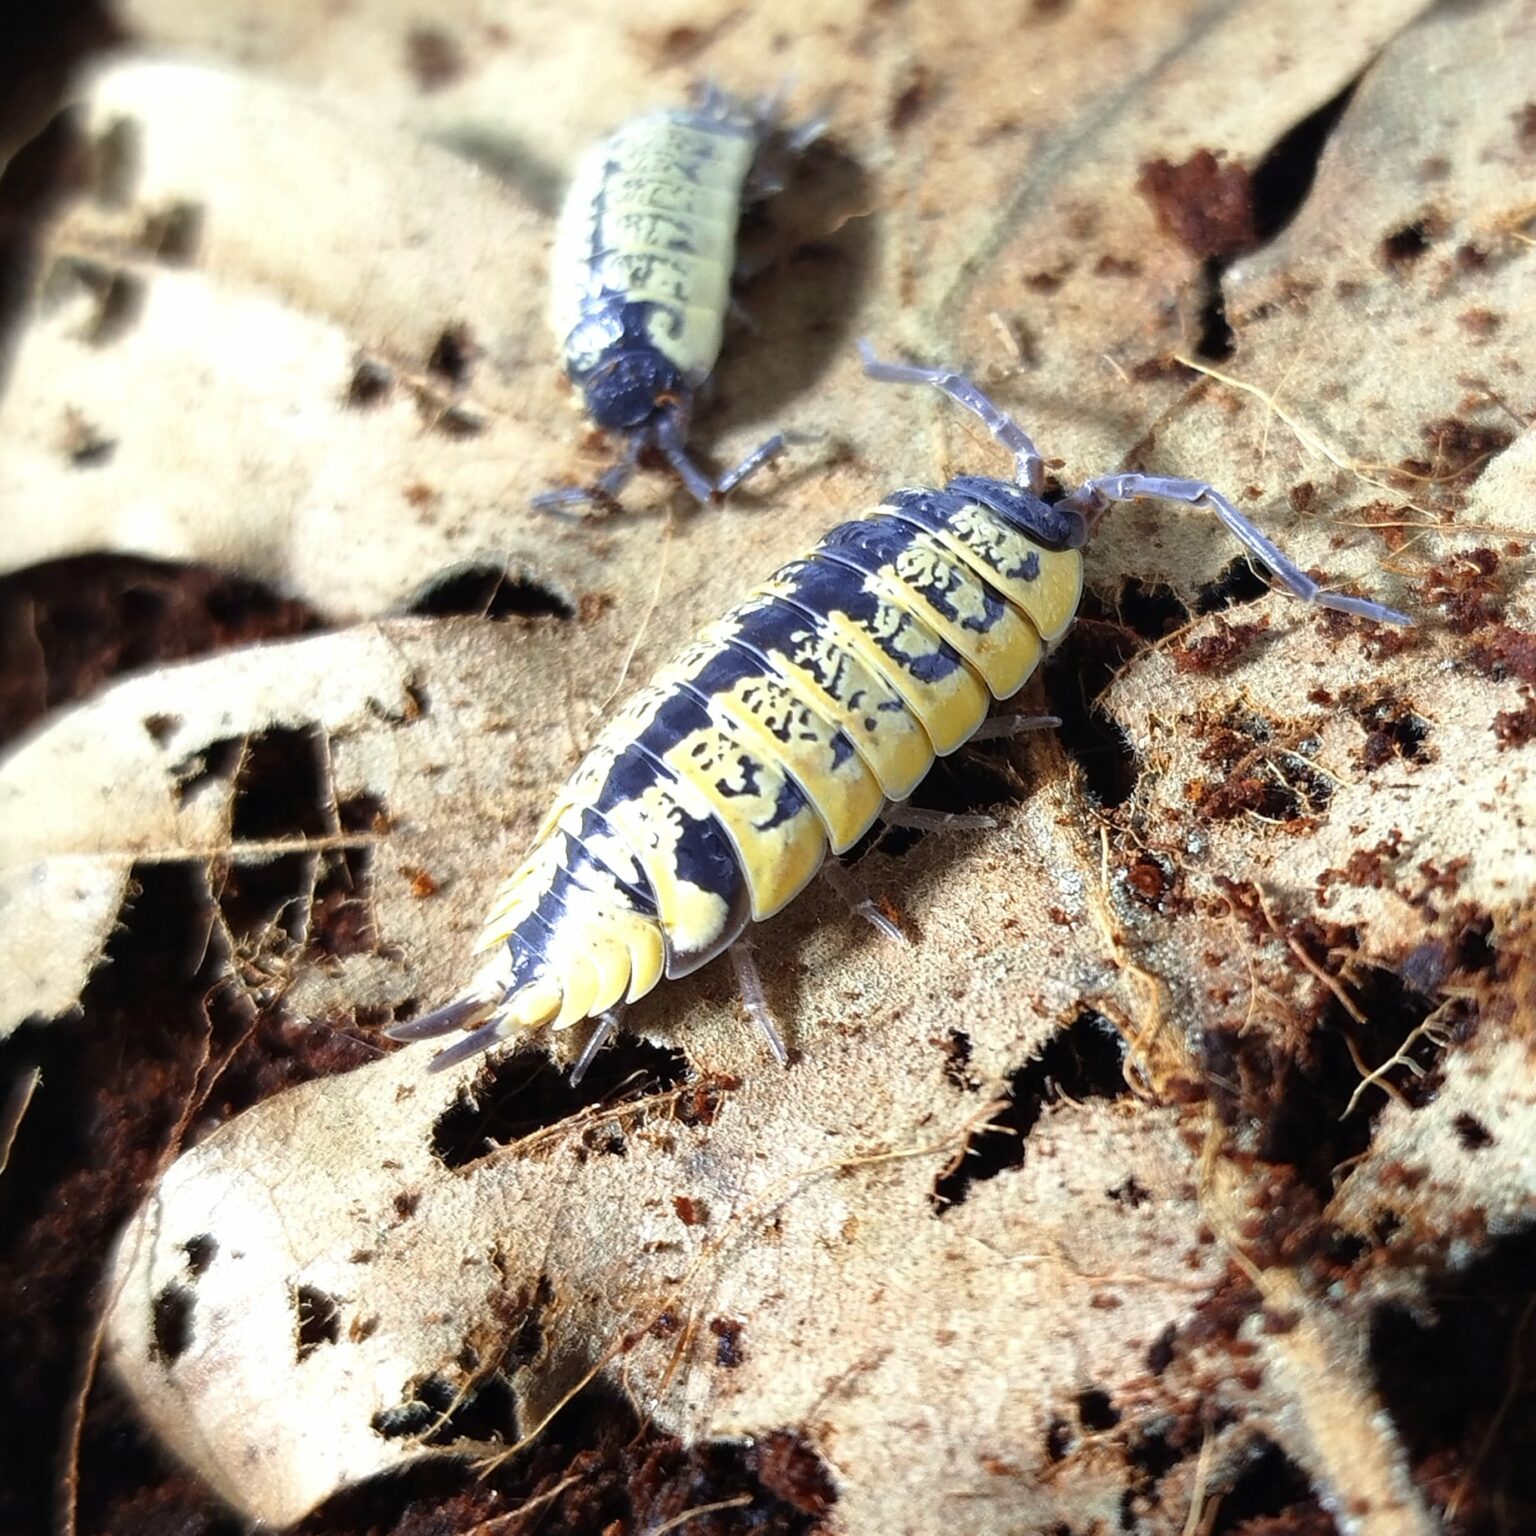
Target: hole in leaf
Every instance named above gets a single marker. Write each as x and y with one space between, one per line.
215 763
1095 1410
523 1093
1284 177
201 1252
319 1319
1270 1486
267 899
489 592
1214 339
281 791
171 1325
1242 581
1083 1061
362 812
1151 611
1458 1376
1297 1102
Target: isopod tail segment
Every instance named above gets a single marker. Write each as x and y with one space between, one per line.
641 276
775 740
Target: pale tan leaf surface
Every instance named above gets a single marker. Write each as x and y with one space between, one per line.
1319 857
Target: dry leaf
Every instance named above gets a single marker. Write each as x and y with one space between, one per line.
1298 902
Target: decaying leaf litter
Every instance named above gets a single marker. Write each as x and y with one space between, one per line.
1324 843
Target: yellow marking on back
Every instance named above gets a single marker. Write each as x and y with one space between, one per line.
888 737
985 542
950 708
771 716
1005 654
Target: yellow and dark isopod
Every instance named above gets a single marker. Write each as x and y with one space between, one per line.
644 256
781 734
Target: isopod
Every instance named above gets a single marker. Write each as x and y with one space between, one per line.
644 256
787 728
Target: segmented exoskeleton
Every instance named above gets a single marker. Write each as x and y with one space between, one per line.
789 726
641 276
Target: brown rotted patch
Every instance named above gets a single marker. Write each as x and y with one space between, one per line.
1467 589
1501 652
1458 452
1262 771
1204 203
1221 649
1516 727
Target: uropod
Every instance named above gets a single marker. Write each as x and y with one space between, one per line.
788 727
644 257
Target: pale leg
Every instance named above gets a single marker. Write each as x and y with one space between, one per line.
1093 497
1029 467
750 981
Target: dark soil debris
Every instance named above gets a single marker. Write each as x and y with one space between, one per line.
1516 727
1503 652
1466 587
1216 652
69 626
434 58
727 1332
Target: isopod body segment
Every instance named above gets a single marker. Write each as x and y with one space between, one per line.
644 256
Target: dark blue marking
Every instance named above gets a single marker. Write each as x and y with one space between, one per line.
1026 511
748 767
580 861
702 862
769 630
822 583
873 542
788 803
766 631
932 512
708 860
684 712
724 670
529 941
732 665
842 748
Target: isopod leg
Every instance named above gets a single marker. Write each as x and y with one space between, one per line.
755 1000
859 901
1000 727
603 490
918 818
670 431
764 453
1029 467
1093 497
606 1024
